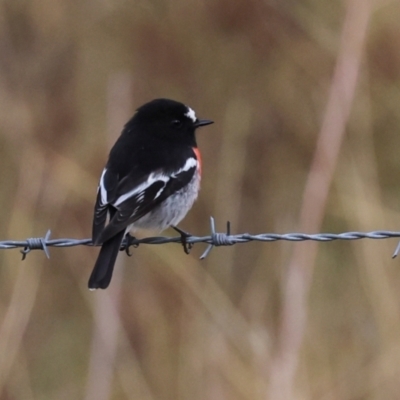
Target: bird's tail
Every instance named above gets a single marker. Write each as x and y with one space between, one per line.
103 269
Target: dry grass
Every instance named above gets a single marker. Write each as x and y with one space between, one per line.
305 96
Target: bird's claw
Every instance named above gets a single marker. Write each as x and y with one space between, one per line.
129 241
184 236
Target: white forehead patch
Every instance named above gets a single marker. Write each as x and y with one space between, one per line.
191 114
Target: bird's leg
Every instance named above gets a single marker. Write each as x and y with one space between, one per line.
184 235
127 243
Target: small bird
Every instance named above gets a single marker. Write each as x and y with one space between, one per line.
150 181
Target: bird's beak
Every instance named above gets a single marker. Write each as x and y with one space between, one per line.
202 122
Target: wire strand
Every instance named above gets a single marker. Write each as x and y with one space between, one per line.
215 239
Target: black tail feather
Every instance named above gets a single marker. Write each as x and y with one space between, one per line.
104 267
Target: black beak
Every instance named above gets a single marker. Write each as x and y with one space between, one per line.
202 122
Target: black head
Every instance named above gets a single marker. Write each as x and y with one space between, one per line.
168 120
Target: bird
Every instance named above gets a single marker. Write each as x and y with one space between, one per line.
151 179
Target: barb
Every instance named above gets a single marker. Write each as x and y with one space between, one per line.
37 244
213 240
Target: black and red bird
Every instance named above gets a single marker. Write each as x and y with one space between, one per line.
150 181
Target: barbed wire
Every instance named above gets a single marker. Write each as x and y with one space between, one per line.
214 239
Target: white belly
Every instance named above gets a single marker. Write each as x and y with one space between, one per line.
172 210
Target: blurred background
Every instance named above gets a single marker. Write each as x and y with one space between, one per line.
305 96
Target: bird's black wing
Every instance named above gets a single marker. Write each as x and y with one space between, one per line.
133 198
106 190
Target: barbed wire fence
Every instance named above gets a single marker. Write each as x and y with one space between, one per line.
215 239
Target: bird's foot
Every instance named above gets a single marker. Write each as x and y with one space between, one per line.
184 236
128 241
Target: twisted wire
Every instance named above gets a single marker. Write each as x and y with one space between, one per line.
214 239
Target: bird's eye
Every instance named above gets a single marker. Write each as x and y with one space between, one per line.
177 123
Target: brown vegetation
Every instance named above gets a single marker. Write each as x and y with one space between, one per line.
305 96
